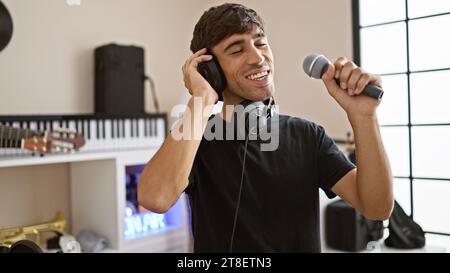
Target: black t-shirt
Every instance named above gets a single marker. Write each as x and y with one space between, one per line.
279 209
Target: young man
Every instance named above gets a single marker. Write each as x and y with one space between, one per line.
278 199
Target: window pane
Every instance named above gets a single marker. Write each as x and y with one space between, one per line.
430 97
396 143
429 43
417 8
431 151
383 48
432 205
402 193
381 11
394 106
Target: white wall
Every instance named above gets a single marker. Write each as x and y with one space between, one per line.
48 66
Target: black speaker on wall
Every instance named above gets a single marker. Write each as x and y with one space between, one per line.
119 80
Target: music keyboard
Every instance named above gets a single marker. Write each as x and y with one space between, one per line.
101 132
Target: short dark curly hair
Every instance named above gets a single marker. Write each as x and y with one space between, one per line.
221 22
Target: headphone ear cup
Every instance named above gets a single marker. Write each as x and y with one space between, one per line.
213 73
25 246
218 75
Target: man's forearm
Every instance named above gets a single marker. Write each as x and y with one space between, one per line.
374 176
166 174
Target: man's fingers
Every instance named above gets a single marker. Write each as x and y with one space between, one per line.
345 74
199 53
194 61
329 74
330 82
190 68
362 83
203 58
339 64
354 78
344 79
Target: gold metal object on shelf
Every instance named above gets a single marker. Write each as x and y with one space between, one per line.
9 236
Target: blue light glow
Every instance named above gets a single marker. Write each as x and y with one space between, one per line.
143 223
140 222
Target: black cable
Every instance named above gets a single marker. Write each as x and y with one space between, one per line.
270 104
238 202
152 89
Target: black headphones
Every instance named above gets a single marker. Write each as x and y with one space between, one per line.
213 73
257 115
6 26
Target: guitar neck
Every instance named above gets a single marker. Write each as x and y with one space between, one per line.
11 137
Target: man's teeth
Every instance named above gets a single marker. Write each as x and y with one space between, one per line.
258 75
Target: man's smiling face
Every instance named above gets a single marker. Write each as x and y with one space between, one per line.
247 62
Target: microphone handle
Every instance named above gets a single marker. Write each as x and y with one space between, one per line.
370 90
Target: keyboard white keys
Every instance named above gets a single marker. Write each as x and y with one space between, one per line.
80 128
91 142
98 134
48 125
127 141
55 125
107 138
115 130
141 129
64 125
86 128
72 126
161 127
101 134
33 126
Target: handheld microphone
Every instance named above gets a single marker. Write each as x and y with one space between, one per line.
315 65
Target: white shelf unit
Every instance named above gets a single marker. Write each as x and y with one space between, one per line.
98 197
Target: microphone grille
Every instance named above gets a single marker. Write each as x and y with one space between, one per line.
315 65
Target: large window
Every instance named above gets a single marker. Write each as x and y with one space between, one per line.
407 42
